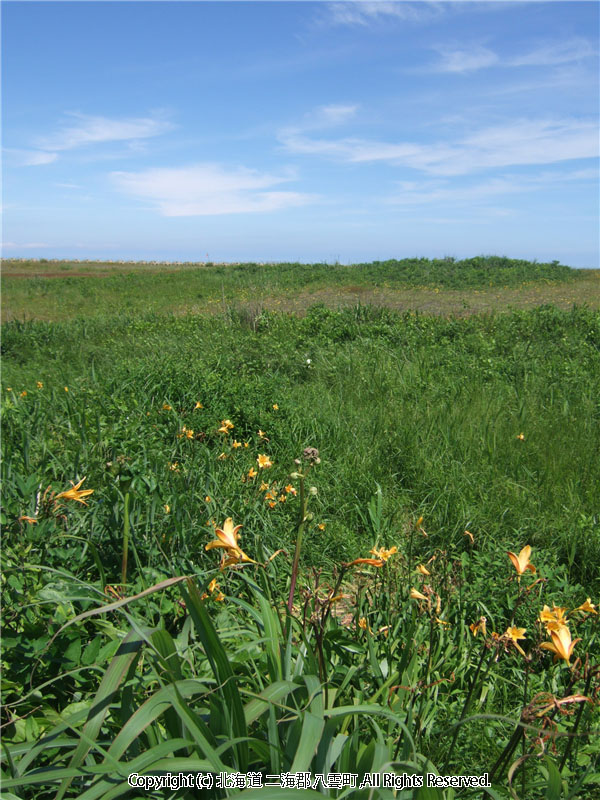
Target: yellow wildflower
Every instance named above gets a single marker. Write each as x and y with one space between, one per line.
166 406
561 644
475 627
198 405
40 385
235 444
226 426
264 487
522 562
521 437
227 538
554 615
514 634
23 393
383 553
416 595
290 489
423 570
588 607
275 407
373 562
264 461
75 493
321 526
167 508
252 473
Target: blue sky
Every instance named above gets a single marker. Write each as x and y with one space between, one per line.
302 131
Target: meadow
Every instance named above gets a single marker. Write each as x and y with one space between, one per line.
366 618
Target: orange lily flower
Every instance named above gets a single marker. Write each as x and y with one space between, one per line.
383 553
374 562
478 626
75 493
227 538
514 634
561 644
522 562
588 607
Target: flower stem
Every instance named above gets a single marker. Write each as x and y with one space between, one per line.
301 523
125 543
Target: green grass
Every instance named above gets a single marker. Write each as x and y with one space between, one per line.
428 408
127 289
413 416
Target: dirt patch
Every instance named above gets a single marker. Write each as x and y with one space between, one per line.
456 302
64 274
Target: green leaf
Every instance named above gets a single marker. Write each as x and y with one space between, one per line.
232 709
127 653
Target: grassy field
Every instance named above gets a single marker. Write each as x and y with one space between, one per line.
344 631
56 291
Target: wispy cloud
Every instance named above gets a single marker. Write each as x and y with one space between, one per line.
557 52
24 246
465 59
410 193
93 129
370 13
327 116
16 157
209 189
516 143
83 130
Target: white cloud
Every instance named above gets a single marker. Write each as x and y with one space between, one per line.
93 129
28 158
24 246
432 192
327 116
369 13
209 189
560 52
476 56
519 142
469 60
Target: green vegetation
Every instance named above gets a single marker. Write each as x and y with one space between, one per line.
129 288
442 445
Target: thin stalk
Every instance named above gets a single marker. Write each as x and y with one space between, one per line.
468 701
577 721
523 740
301 523
125 543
